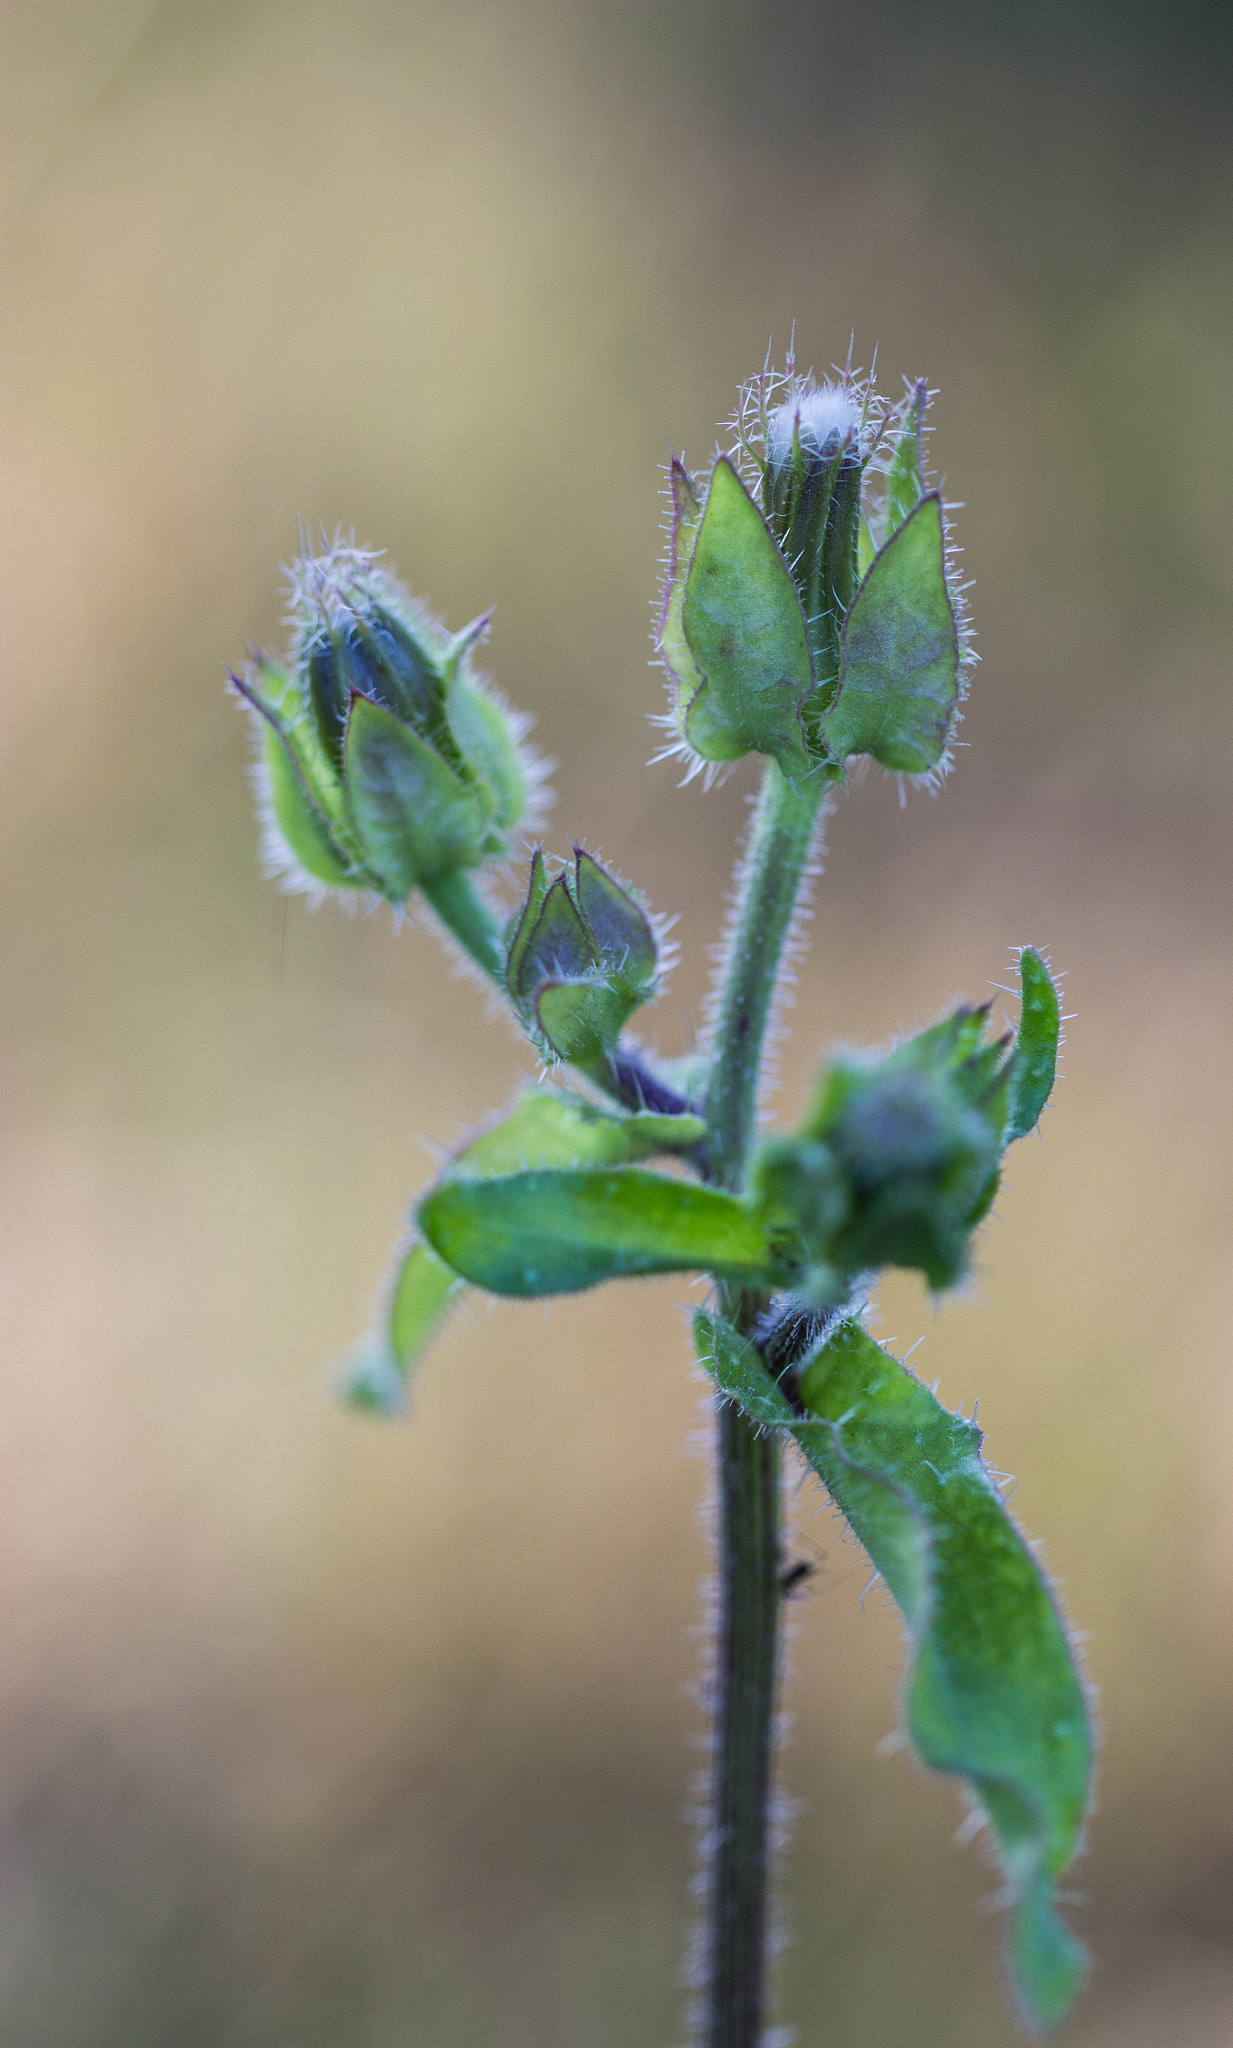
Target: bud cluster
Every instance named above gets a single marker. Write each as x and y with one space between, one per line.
387 764
898 1159
809 612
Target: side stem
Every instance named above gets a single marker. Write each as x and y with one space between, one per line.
737 1845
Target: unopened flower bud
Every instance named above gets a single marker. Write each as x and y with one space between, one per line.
898 1161
387 764
581 957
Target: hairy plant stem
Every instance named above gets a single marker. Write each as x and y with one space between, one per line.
464 913
737 1844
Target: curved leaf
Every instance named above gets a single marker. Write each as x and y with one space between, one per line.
1036 1041
416 1299
992 1692
745 628
546 1128
554 1233
900 676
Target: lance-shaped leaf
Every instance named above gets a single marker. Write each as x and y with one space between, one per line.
547 1128
992 1692
1036 1043
743 622
554 1233
899 680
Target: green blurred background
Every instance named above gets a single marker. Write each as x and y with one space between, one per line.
315 1731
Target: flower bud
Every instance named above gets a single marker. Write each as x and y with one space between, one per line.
898 1160
386 764
811 626
581 957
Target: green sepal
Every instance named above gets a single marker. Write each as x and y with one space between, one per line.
899 678
743 623
555 1233
581 958
619 928
905 475
992 1693
275 697
521 926
1036 1044
582 1020
302 822
488 741
674 648
414 817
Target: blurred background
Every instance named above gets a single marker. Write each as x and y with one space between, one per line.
315 1730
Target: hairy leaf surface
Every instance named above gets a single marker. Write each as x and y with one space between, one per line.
554 1233
900 676
545 1129
1036 1043
746 630
992 1693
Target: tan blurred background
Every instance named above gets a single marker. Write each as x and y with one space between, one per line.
315 1731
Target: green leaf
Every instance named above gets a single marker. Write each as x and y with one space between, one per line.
416 820
554 1233
745 628
899 681
416 1300
992 1692
1035 1056
549 1128
545 1129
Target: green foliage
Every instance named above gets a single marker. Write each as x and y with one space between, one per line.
554 1233
809 616
992 1693
546 1128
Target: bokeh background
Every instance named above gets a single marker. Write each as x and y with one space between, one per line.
318 1731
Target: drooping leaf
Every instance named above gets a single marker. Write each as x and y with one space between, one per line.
554 1233
415 818
743 622
1036 1043
992 1693
414 1304
899 680
545 1129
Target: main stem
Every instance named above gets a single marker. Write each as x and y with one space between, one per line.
746 1665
